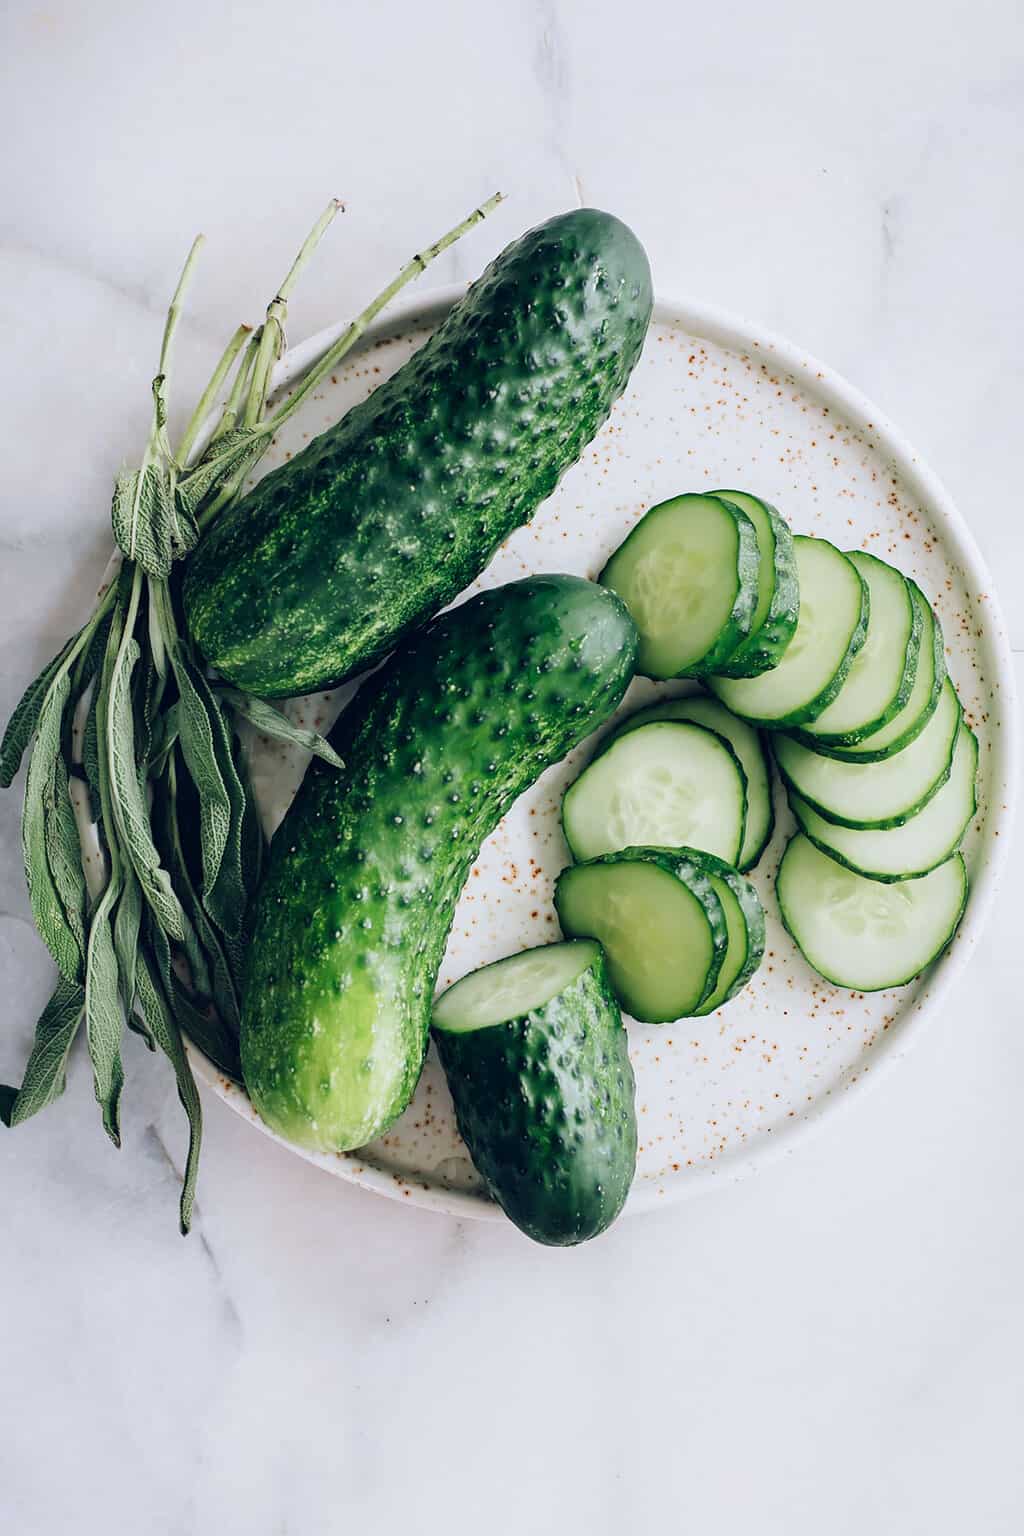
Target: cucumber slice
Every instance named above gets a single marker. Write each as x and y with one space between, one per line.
744 921
778 590
688 573
911 720
538 1066
884 794
859 933
747 745
670 784
660 922
830 631
920 844
880 680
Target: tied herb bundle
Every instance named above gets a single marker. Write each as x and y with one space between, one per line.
141 837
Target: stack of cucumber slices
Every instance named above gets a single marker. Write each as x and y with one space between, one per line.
835 658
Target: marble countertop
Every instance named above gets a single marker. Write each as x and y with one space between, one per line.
835 1345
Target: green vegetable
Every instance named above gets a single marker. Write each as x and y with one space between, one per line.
155 940
538 1066
364 873
778 590
386 517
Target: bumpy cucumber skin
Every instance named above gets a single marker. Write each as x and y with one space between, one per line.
765 647
865 754
545 1104
684 865
364 873
387 516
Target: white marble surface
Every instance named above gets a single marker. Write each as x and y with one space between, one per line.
836 1345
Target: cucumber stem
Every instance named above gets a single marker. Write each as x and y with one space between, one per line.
352 332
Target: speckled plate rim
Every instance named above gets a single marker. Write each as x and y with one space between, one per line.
729 330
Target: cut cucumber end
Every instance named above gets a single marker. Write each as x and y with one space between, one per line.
688 573
513 987
667 784
663 943
859 933
778 590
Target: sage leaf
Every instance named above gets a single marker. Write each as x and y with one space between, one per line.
206 1030
228 456
163 1028
59 930
22 724
197 708
128 805
140 518
104 1018
271 722
46 1068
166 731
127 923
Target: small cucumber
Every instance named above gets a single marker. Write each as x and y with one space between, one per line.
364 873
688 574
778 590
660 920
388 515
537 1062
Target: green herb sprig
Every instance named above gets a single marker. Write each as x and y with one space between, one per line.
134 748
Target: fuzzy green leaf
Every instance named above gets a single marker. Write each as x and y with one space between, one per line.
232 454
163 1028
271 722
104 1018
143 517
197 710
22 724
43 830
46 1068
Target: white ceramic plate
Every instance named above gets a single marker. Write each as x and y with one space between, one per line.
713 402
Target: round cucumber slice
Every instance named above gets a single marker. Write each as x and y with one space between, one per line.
884 794
911 720
660 922
688 573
859 933
778 590
513 987
744 920
920 844
745 742
670 784
880 680
830 631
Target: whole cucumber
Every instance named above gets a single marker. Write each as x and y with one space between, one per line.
387 516
543 1089
352 919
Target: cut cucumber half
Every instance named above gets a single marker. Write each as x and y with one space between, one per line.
660 922
884 794
830 631
670 784
911 720
920 844
688 573
747 745
778 590
537 1061
880 680
859 933
744 921
512 988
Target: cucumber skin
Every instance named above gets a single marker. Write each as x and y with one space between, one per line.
846 755
352 918
545 1104
684 865
765 647
753 916
388 515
